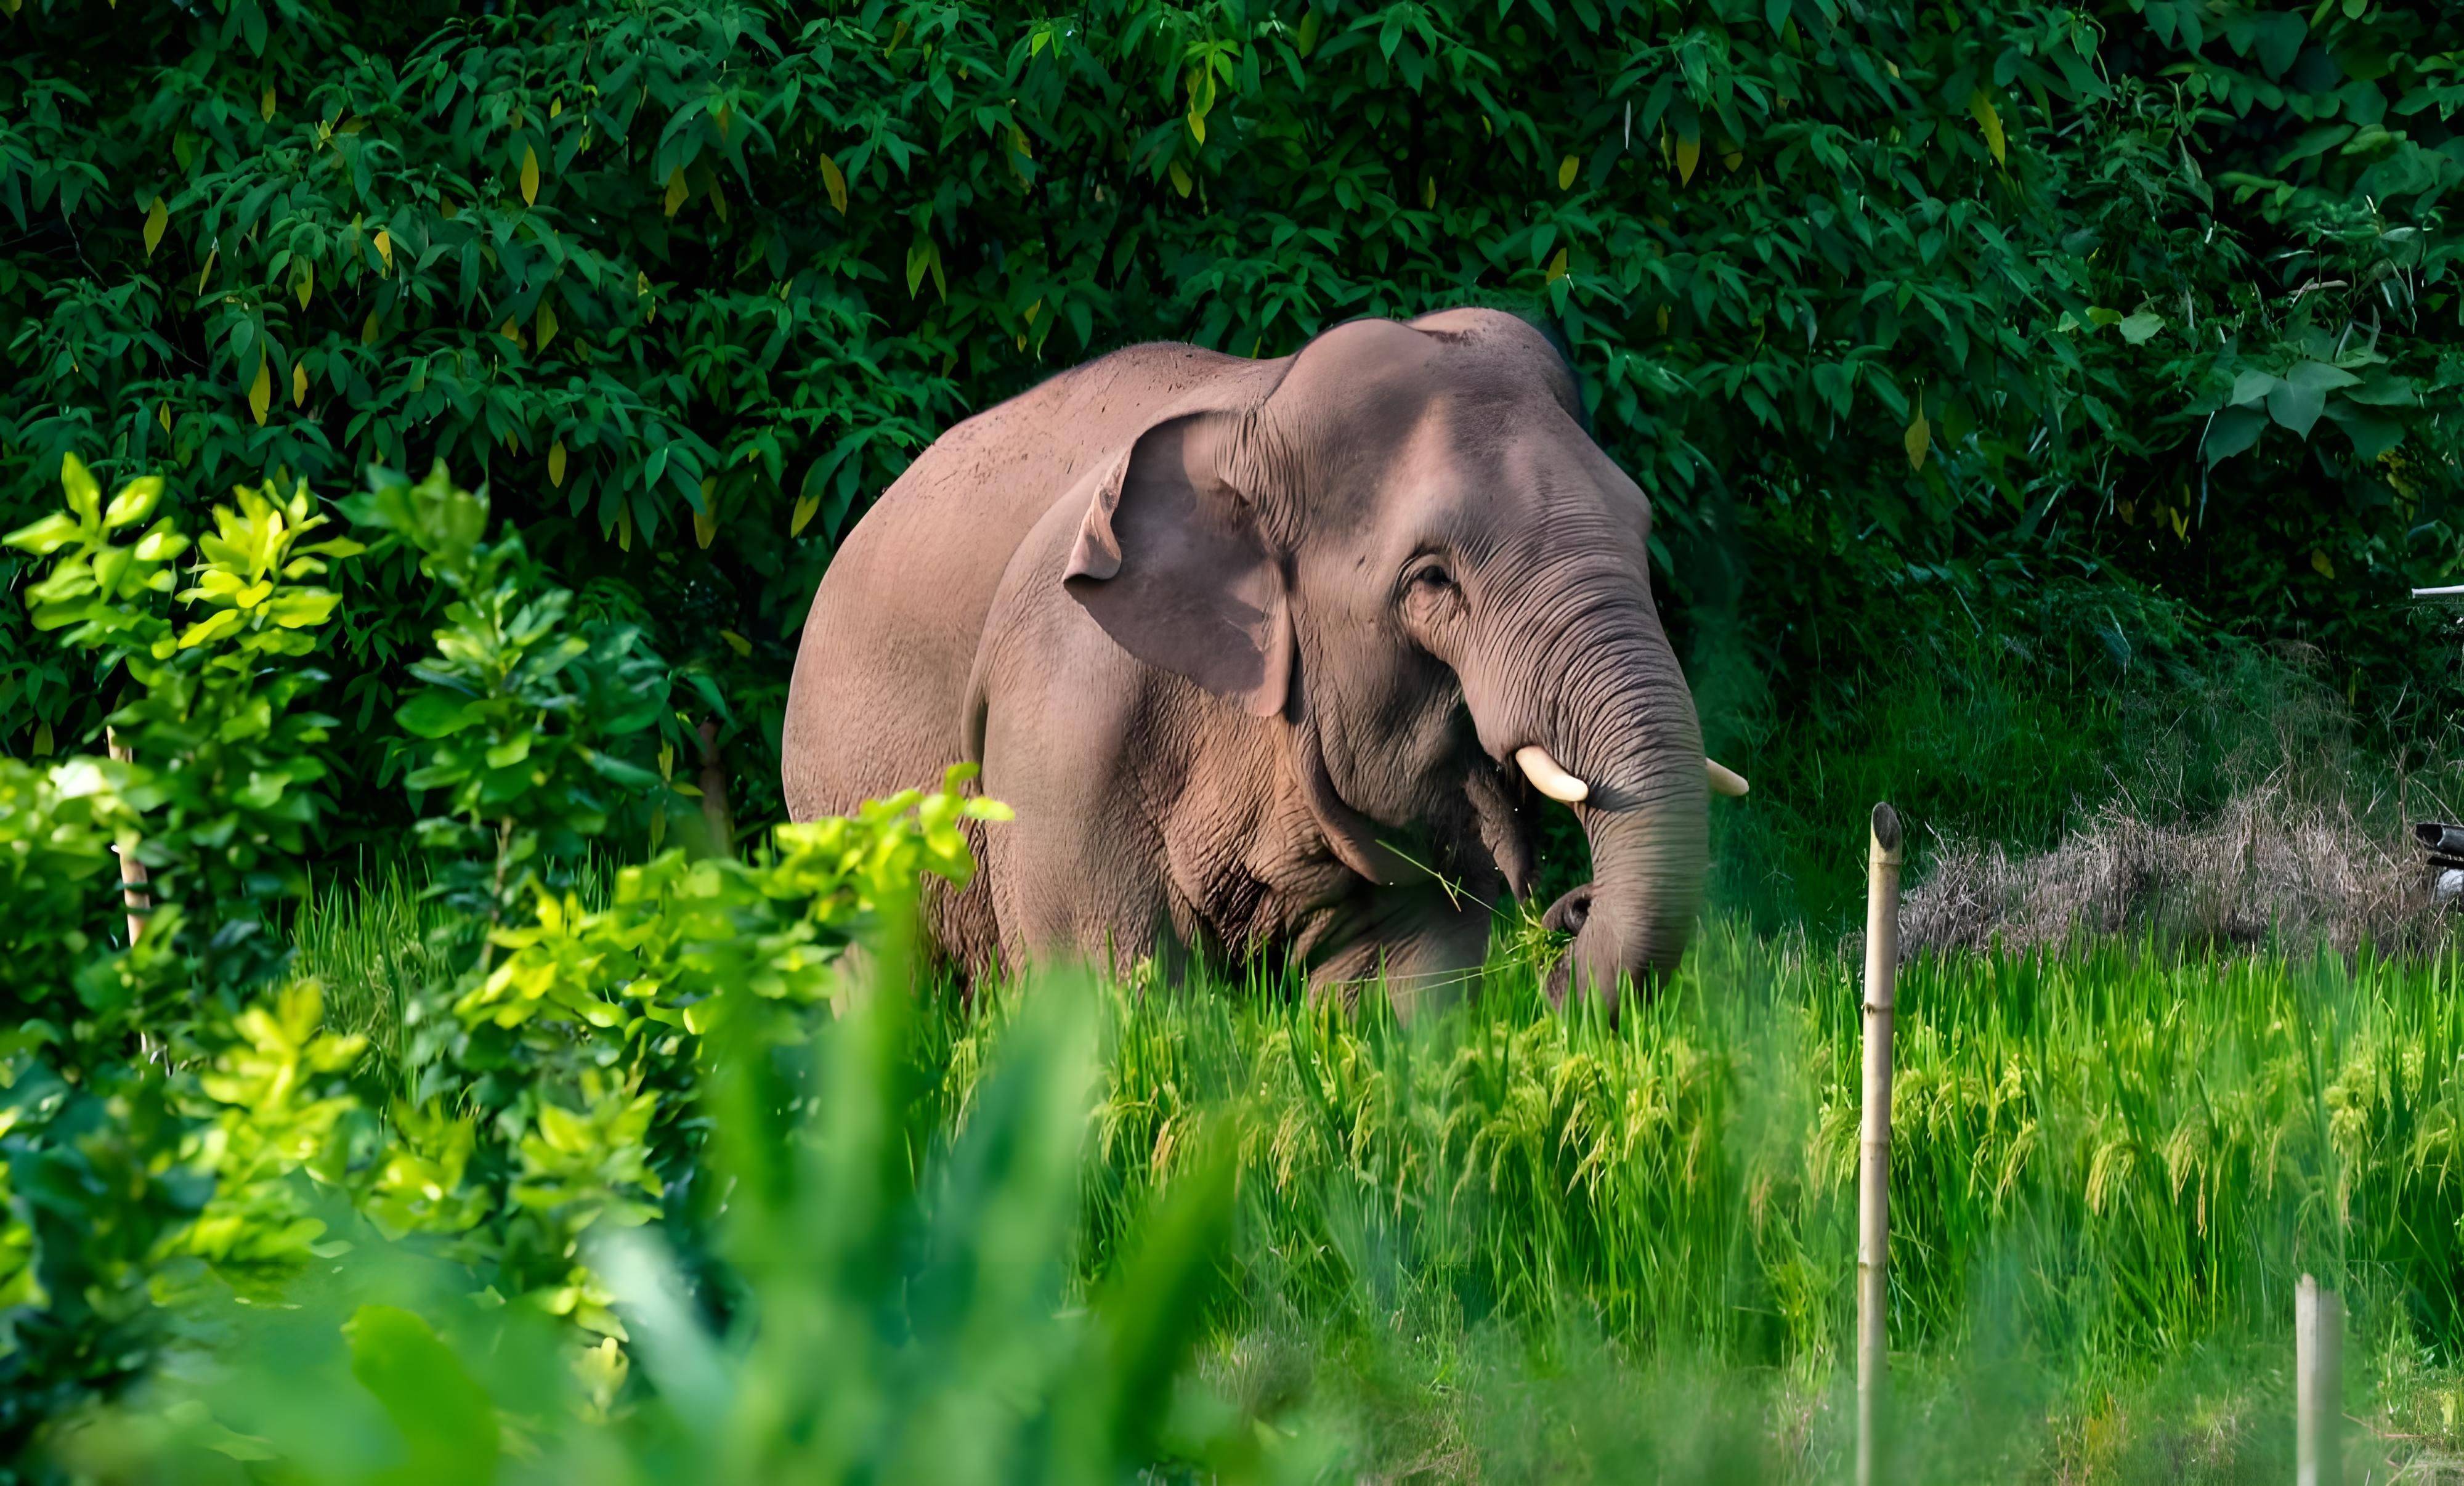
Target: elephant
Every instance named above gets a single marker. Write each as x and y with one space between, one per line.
1271 656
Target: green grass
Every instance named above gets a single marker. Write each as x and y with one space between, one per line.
1489 1238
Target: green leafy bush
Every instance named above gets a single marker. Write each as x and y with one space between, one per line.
176 1121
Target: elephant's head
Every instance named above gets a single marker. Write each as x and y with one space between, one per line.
1413 552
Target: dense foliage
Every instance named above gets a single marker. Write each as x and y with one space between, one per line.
174 1114
1906 306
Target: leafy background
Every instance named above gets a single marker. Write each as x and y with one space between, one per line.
2077 336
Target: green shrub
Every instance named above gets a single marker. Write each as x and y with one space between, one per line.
176 1121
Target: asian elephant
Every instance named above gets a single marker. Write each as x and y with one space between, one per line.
1270 655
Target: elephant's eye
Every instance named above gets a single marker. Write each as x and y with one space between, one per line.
1432 577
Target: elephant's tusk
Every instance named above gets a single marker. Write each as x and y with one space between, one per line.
1724 780
1548 778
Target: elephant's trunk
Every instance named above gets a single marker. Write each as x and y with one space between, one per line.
1636 914
1607 705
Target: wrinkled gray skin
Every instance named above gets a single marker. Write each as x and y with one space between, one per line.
1250 647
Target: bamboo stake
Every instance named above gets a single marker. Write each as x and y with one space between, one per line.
2318 1384
132 872
1874 1153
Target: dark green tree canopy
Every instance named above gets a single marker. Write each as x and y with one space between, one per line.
1952 296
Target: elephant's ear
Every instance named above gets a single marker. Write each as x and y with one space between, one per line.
1171 563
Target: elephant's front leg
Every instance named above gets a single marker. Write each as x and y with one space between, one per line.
1422 946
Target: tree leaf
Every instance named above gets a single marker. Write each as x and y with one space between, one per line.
2231 431
556 457
135 502
1989 119
299 383
543 324
435 714
2252 386
1690 154
1557 266
803 515
2140 328
77 483
260 393
2296 401
529 175
676 190
835 184
156 218
1917 440
1566 172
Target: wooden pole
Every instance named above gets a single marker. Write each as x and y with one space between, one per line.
133 896
1874 1150
2318 1384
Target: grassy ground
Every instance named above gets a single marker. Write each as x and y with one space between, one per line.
1510 1244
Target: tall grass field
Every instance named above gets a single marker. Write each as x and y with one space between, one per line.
1506 1243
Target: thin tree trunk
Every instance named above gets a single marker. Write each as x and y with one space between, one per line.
713 792
133 896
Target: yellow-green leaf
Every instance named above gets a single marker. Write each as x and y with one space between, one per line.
1919 440
156 218
307 283
543 324
737 642
676 190
208 271
265 104
1566 169
78 484
1690 154
1307 41
1179 179
213 626
705 527
1429 193
835 184
135 502
511 331
368 331
384 248
529 175
42 731
260 392
1557 266
166 417
802 516
1987 120
299 383
1198 127
556 464
2319 561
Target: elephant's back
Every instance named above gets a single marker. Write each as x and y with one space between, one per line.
882 670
